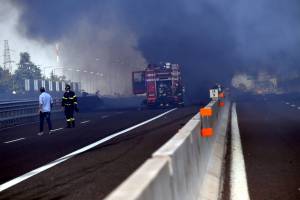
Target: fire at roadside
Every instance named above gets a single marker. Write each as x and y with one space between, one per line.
266 83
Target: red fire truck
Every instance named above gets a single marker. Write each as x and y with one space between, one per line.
162 85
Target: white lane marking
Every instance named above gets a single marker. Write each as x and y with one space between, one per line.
56 129
87 121
298 108
19 179
104 116
11 141
287 103
293 105
2 129
238 177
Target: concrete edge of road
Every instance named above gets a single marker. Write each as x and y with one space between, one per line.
238 176
187 167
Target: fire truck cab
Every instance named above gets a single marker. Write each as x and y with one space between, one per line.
162 85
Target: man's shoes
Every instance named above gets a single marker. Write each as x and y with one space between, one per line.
40 133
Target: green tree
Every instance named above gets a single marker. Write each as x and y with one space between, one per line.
5 81
26 70
54 77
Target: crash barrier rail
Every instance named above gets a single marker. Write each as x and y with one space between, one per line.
12 113
187 167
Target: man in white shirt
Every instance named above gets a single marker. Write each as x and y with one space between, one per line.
45 105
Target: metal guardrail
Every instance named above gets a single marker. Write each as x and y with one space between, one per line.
12 113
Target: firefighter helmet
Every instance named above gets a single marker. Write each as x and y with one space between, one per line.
68 87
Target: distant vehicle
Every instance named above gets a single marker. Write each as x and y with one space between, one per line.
84 94
162 85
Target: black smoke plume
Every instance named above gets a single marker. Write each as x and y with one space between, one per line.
211 39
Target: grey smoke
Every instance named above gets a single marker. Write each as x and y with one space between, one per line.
211 39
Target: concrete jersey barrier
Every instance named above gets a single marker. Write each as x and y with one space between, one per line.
151 181
187 167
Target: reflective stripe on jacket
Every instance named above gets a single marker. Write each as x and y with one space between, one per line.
69 99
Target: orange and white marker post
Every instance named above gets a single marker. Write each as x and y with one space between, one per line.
206 114
209 114
221 99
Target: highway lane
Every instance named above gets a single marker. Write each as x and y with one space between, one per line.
59 143
105 165
270 137
29 130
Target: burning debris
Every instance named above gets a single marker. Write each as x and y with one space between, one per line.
262 83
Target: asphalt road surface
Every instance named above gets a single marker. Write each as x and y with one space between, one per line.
91 174
270 138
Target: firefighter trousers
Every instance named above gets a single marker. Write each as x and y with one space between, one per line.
69 113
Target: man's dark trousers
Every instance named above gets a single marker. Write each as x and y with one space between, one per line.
44 115
69 113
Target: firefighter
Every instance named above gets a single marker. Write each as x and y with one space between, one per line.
218 87
69 102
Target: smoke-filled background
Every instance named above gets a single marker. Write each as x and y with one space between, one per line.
211 39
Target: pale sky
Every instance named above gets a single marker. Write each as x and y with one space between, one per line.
41 54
